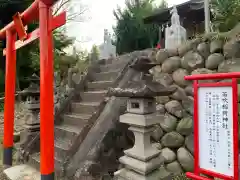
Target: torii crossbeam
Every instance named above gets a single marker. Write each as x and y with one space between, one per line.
40 10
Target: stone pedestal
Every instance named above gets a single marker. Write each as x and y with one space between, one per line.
142 161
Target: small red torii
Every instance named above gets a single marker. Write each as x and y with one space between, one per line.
39 10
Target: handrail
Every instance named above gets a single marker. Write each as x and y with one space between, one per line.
121 74
28 148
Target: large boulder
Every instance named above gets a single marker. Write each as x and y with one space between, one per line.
171 64
184 48
164 78
189 143
204 49
162 55
192 60
187 46
157 145
178 77
230 65
231 49
174 168
185 126
214 60
189 90
162 99
157 133
164 174
173 52
203 71
179 94
172 140
160 109
187 104
168 155
156 70
186 159
152 55
175 108
168 123
216 46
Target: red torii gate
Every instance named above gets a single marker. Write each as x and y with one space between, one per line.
40 10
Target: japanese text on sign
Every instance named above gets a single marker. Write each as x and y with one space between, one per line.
216 129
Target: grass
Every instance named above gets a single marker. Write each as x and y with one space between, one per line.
181 177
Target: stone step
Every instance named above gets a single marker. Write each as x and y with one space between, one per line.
76 119
84 107
99 85
115 66
93 96
62 148
68 131
105 76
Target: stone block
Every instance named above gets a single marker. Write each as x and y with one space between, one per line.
140 167
140 120
141 106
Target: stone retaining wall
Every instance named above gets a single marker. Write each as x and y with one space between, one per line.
174 134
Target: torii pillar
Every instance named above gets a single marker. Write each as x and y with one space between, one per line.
39 10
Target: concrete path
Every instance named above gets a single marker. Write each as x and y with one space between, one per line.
22 172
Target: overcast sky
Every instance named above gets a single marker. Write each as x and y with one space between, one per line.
98 17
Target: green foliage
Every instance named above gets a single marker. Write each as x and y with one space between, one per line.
94 53
181 177
61 41
226 14
83 61
28 60
130 32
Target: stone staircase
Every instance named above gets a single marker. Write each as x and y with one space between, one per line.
82 112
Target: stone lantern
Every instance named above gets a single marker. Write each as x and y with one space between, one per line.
31 97
142 161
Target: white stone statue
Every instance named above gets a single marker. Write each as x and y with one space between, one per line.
107 50
175 35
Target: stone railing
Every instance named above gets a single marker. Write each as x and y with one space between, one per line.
63 98
91 154
95 117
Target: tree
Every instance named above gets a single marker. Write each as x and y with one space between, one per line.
130 32
226 14
75 10
94 53
28 57
7 9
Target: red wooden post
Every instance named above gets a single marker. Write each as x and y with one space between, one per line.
22 34
196 146
46 94
41 8
10 79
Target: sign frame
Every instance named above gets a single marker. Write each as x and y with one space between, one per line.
196 85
